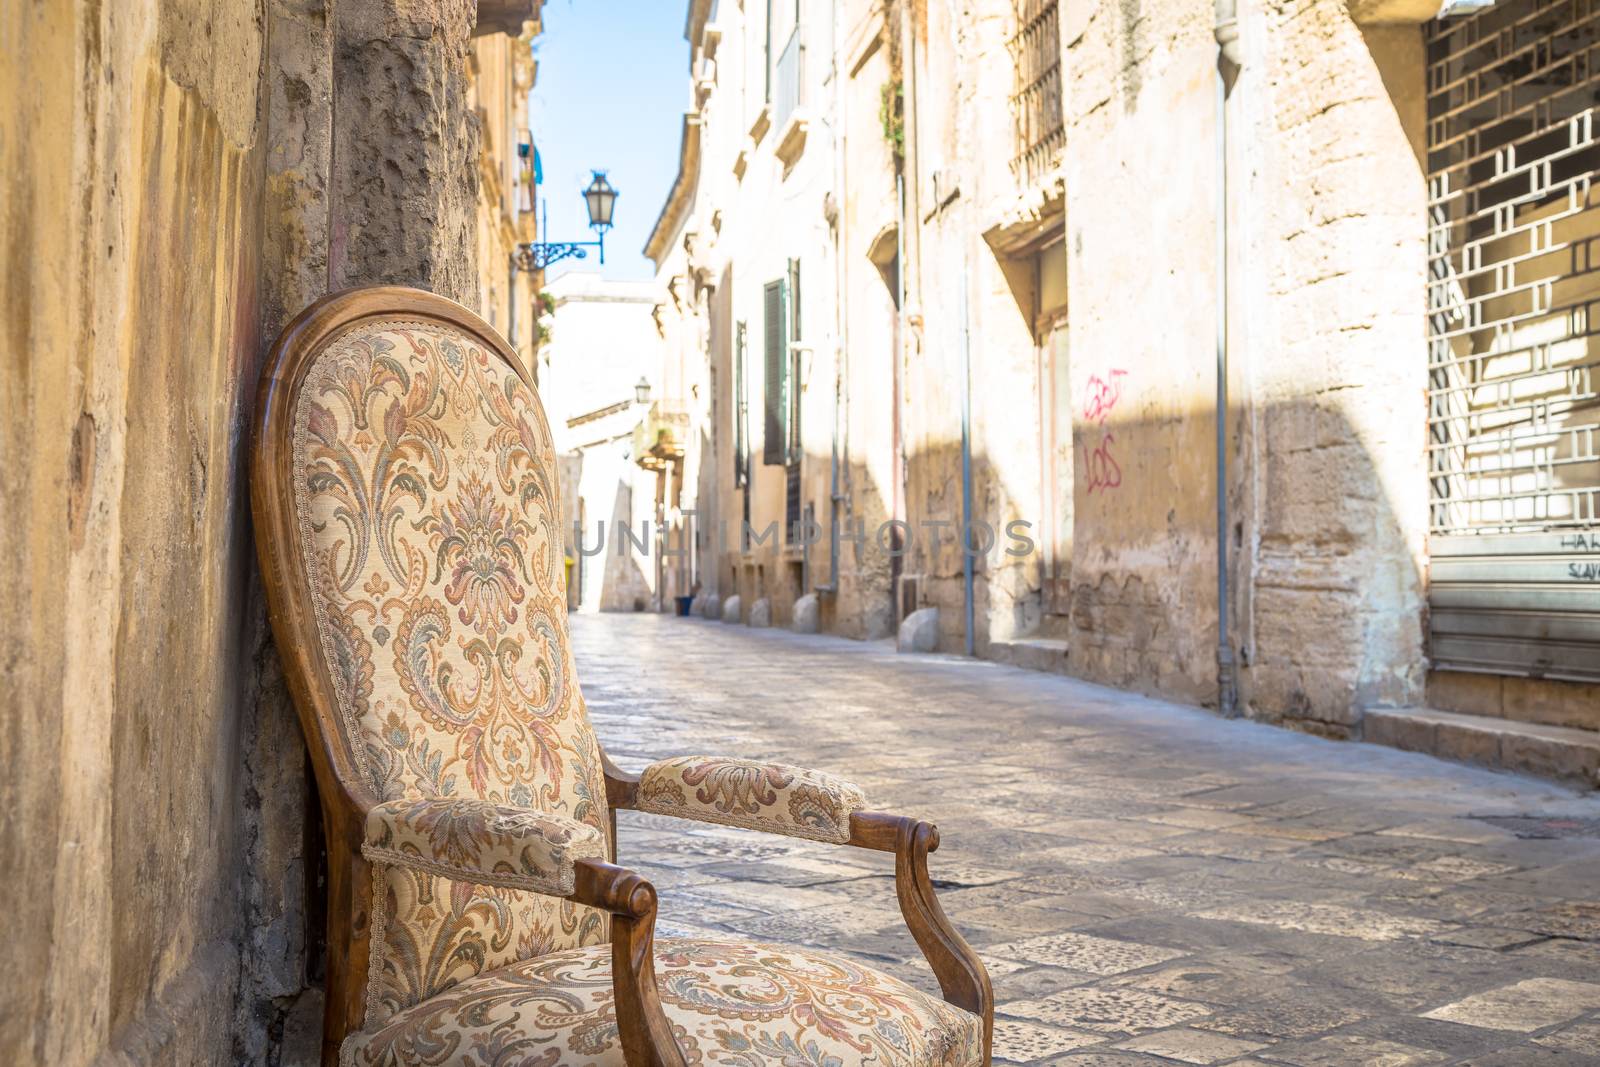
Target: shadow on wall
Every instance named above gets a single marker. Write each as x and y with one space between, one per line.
1328 614
1328 607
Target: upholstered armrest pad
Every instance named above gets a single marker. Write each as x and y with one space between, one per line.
476 841
751 794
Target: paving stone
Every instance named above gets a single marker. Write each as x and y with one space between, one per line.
1326 919
1032 983
1525 1006
1082 952
1020 1042
1353 1050
1182 874
1581 1037
1190 1046
1208 983
1296 1014
1489 937
1125 1011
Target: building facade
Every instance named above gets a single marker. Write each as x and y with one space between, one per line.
1227 353
172 198
597 370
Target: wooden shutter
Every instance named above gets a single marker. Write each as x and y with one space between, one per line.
775 380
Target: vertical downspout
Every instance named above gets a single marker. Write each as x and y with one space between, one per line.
965 540
897 510
1229 61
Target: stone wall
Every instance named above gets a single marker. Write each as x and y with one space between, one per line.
134 170
171 197
1326 410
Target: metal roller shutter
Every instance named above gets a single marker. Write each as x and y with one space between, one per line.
1514 340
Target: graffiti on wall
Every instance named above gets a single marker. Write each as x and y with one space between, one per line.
1101 397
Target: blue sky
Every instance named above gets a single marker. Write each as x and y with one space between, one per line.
612 89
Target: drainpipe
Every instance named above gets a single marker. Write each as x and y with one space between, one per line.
1229 62
965 540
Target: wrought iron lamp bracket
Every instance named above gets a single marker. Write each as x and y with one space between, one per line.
539 255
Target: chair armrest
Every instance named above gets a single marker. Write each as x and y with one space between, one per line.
771 797
471 840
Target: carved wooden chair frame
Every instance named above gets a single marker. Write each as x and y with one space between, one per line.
645 1032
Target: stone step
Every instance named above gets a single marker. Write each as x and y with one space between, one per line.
1559 752
1034 653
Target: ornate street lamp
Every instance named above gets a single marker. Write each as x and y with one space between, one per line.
641 390
601 200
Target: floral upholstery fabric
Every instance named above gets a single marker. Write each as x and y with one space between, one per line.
730 1003
426 495
477 841
757 796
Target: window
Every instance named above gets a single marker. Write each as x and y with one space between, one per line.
1036 101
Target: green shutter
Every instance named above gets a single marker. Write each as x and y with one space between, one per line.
775 383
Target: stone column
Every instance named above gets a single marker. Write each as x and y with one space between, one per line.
405 147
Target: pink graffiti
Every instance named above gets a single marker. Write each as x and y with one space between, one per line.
1101 467
1103 396
1103 470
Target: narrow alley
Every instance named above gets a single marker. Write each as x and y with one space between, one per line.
1146 884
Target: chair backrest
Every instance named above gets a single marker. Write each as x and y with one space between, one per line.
406 500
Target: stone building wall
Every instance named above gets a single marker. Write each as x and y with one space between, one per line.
178 182
977 323
1326 410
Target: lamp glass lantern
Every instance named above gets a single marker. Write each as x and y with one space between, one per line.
601 199
641 390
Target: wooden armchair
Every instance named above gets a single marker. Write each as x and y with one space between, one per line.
407 517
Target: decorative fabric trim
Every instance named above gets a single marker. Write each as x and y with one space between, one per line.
476 841
727 1003
771 797
375 951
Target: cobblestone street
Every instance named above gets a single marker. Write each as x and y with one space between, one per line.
1147 883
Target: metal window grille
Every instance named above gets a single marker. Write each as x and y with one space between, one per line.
1514 339
1036 103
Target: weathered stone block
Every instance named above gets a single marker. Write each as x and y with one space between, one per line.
806 615
919 631
731 609
761 612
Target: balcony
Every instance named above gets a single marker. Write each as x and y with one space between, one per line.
788 98
661 435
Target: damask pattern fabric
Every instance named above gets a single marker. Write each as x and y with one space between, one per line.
426 493
758 796
437 932
730 1003
477 841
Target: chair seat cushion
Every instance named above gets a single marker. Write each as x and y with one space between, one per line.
730 1002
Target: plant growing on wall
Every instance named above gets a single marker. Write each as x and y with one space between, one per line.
546 305
892 114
